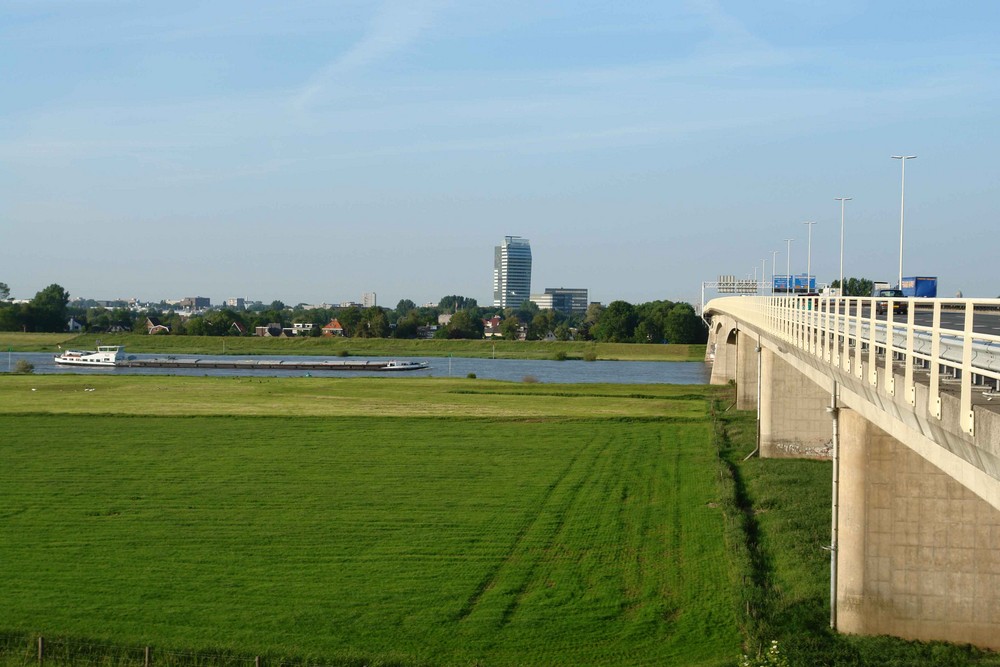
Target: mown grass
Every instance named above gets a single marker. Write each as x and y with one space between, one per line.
477 523
253 345
778 521
331 396
32 342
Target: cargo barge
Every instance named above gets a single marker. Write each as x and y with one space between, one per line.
275 364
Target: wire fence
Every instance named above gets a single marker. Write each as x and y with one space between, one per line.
32 650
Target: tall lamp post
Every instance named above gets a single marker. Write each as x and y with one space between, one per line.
842 200
774 259
902 199
809 255
788 266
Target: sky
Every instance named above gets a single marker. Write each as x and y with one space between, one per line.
312 151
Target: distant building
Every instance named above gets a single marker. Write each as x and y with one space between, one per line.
427 332
491 327
570 301
511 272
334 328
369 299
155 326
195 302
272 330
444 319
239 303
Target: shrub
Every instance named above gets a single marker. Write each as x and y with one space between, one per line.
529 379
773 657
560 355
590 355
24 367
471 376
343 353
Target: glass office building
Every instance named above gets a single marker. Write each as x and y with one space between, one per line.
511 272
571 301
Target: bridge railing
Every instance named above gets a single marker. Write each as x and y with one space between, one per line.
951 341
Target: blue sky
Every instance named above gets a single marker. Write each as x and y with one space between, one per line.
312 151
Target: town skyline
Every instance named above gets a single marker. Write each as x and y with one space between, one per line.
328 150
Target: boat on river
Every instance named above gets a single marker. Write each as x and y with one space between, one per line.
103 356
404 366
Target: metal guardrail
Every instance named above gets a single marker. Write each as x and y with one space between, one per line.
840 332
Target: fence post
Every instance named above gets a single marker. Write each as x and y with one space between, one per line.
256 661
41 649
146 662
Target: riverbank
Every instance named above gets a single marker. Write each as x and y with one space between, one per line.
136 343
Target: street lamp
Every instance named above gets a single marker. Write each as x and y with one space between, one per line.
809 255
774 265
902 198
842 200
763 271
788 265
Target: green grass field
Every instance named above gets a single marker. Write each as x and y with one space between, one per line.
252 345
420 521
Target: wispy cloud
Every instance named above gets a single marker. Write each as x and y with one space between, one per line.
395 26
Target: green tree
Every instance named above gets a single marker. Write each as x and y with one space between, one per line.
455 303
541 324
406 327
684 326
509 328
404 308
350 318
465 324
855 286
4 292
373 324
618 322
48 310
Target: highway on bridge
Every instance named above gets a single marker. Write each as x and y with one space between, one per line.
983 322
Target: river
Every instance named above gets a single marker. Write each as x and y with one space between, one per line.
513 370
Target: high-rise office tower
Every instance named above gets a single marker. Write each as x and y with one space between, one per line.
511 272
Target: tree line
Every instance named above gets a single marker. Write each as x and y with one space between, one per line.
618 322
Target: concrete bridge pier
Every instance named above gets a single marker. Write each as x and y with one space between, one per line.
794 420
918 554
747 363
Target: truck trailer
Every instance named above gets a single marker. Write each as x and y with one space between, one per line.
921 286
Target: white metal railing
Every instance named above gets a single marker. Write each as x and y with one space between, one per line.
845 332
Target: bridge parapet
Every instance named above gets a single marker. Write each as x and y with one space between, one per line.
846 332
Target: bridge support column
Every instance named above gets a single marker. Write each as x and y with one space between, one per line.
725 337
746 371
794 421
918 554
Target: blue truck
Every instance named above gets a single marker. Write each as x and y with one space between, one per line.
925 286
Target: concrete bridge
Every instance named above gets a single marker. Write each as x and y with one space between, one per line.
908 408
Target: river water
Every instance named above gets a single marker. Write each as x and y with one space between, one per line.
514 370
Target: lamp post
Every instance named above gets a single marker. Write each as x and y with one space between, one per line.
788 266
774 265
763 271
842 200
809 254
902 199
